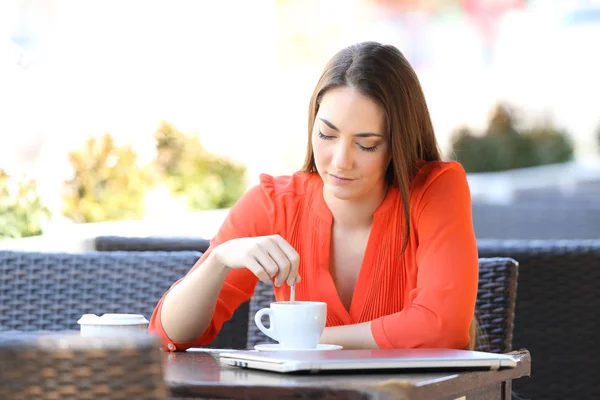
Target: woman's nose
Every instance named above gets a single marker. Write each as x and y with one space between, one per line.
342 159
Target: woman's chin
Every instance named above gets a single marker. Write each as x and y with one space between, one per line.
341 192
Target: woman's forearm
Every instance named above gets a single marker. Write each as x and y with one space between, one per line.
188 308
357 336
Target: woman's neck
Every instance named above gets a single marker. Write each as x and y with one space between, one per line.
356 213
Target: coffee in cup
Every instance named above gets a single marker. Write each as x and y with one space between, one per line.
295 326
112 325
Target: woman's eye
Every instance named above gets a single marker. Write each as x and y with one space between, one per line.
364 148
372 148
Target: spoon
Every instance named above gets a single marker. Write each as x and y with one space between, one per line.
293 293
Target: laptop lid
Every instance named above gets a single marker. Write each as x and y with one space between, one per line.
340 360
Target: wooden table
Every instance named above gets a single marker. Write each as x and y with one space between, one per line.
200 375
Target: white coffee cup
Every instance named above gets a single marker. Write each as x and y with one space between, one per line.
113 325
294 326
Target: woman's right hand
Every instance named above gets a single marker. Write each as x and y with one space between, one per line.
267 257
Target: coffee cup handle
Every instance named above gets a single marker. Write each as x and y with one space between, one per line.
270 332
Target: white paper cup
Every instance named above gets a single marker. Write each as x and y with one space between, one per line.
92 325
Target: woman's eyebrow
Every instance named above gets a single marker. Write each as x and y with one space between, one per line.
362 135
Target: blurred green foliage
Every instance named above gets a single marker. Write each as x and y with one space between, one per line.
503 147
22 213
107 183
207 181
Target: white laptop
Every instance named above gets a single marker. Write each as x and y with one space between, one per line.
340 360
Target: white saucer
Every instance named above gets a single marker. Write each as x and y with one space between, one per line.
277 347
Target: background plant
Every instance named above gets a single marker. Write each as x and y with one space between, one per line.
107 182
503 147
22 212
206 180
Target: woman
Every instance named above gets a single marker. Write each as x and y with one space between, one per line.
375 224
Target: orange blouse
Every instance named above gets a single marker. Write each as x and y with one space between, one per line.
424 297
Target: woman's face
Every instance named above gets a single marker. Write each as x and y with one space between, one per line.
350 144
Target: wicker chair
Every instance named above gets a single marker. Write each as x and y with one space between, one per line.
121 243
68 366
50 291
495 307
556 317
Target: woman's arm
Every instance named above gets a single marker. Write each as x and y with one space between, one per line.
192 312
442 304
356 336
189 307
360 336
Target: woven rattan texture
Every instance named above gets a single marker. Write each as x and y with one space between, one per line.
121 243
495 305
52 371
556 315
50 291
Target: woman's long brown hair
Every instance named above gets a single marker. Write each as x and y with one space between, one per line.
382 73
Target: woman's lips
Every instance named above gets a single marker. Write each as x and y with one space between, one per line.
339 180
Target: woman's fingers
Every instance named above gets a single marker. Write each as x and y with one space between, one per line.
268 264
283 263
293 258
270 258
258 270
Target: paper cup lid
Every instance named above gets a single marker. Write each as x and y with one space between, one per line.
113 319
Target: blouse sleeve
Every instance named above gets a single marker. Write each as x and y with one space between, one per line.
443 301
253 215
